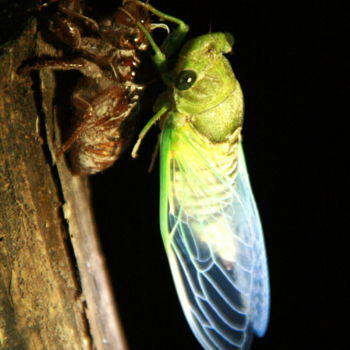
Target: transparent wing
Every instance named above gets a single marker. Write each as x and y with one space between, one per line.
222 281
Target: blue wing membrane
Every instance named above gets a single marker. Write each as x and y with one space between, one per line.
224 304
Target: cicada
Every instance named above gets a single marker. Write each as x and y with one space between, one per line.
208 216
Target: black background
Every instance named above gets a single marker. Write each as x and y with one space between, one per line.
290 58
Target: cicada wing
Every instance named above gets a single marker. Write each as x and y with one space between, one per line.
260 297
225 298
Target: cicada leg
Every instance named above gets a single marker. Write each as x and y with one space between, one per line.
146 128
169 46
173 41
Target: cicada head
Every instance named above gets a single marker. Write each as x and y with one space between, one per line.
205 87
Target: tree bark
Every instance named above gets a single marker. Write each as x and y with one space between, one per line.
54 287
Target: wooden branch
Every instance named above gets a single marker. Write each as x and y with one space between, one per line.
46 225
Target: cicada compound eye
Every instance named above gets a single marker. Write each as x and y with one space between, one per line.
185 79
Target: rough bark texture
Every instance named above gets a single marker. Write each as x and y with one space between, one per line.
54 289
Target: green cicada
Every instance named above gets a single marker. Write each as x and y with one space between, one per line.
208 217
